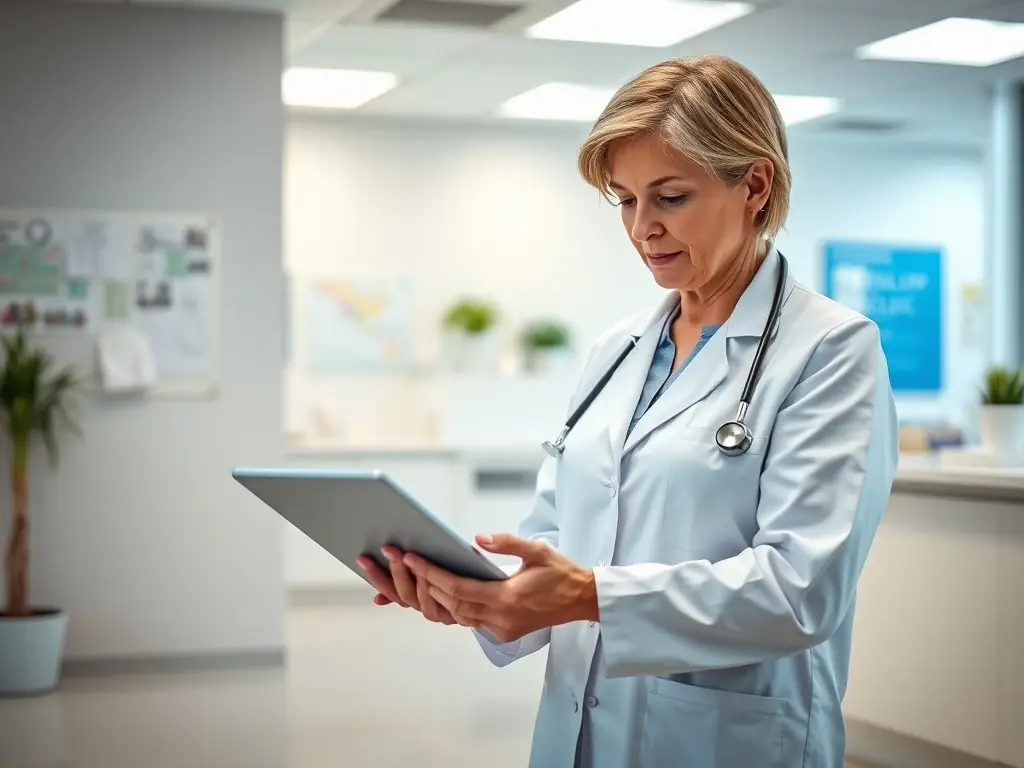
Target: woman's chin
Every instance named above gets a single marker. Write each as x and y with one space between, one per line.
672 279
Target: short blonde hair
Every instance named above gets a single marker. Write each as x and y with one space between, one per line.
713 111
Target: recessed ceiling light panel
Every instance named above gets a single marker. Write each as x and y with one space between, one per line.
334 88
800 109
648 23
963 42
558 101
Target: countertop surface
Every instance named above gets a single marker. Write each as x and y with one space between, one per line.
918 473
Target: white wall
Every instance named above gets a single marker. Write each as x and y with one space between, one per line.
502 212
142 535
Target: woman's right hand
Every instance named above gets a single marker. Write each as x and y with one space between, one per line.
400 587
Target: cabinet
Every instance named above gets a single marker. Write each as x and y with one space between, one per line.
940 618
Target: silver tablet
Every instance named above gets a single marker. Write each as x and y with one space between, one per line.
355 512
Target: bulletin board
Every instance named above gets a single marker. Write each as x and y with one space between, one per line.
900 288
80 273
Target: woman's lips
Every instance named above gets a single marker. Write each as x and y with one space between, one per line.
659 259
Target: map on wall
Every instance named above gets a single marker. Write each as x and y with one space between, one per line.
358 324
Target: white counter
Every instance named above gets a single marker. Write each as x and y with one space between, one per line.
939 640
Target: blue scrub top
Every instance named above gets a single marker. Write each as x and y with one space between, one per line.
660 375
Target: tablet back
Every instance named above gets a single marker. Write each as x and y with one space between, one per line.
354 512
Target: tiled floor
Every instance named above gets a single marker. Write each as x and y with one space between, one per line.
364 688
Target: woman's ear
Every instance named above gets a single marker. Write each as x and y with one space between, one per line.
760 176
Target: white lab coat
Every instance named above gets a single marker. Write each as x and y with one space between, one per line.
726 585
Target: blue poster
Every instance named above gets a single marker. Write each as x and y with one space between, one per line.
900 288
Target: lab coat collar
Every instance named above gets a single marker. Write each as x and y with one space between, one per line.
750 314
708 369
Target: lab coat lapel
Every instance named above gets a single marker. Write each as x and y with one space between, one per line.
706 371
710 366
627 385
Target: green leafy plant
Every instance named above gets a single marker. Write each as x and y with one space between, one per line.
471 316
34 403
545 334
1003 386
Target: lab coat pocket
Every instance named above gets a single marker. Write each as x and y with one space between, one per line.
693 727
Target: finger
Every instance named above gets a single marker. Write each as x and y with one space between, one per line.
381 581
380 599
506 544
465 613
405 582
458 587
429 607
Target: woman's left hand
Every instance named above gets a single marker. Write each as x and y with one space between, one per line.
547 590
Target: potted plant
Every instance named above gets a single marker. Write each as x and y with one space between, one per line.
469 323
545 344
1001 416
35 404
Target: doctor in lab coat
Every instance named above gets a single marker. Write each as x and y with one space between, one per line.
697 608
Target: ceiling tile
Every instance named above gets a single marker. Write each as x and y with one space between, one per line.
1013 11
456 91
802 33
405 50
902 7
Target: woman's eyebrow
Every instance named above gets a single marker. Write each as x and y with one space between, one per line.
656 183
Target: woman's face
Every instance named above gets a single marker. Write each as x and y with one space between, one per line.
691 229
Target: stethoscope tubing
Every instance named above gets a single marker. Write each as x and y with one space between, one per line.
733 437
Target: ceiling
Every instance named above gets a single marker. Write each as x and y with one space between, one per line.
461 71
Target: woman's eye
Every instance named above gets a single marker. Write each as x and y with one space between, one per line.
673 199
625 203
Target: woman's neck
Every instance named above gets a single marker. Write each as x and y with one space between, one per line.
714 302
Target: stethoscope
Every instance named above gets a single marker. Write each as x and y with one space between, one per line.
733 437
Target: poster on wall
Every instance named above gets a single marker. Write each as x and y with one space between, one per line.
900 288
85 273
358 324
175 297
55 271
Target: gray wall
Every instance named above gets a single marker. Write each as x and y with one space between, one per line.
141 534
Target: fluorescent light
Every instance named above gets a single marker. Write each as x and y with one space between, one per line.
800 109
558 101
334 88
966 42
650 23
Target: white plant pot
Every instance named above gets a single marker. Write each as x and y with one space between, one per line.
31 652
549 360
1001 429
472 353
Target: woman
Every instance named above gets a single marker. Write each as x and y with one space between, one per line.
697 604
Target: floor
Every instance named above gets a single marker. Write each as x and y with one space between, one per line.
365 687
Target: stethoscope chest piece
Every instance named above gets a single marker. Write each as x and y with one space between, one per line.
555 449
733 438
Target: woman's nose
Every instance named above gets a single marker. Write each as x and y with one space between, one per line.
645 226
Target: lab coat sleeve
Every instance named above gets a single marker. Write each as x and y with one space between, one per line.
540 523
824 486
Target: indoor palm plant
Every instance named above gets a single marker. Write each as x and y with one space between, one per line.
1001 417
35 400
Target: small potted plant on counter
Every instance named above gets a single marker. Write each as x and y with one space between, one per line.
34 405
1001 416
469 324
546 345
